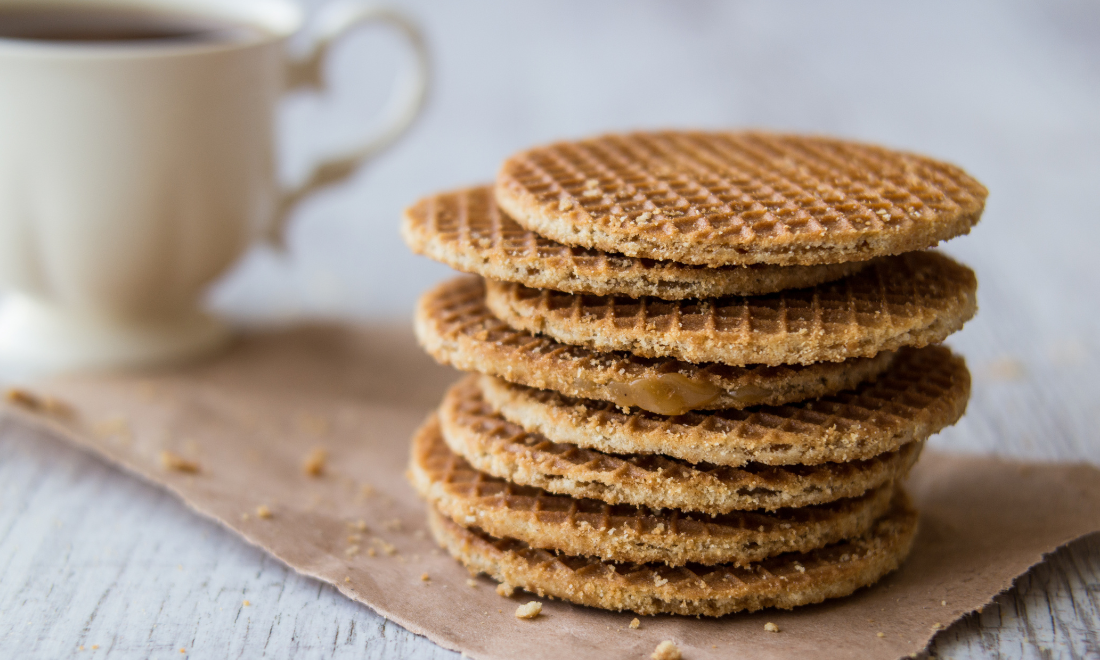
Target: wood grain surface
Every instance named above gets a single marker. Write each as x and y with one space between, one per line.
93 558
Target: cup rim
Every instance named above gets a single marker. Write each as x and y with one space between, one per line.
277 20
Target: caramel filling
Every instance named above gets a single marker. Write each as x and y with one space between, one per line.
666 394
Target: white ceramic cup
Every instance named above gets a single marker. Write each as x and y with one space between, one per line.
132 174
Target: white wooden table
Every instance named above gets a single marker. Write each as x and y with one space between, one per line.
95 558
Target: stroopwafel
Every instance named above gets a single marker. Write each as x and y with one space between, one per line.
466 230
913 299
498 447
925 390
624 533
737 198
455 327
784 581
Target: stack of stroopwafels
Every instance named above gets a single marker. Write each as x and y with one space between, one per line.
704 364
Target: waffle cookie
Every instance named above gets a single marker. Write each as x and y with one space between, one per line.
925 390
622 533
784 581
703 364
455 327
720 199
497 447
466 230
913 299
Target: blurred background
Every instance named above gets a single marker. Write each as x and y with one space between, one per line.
1010 91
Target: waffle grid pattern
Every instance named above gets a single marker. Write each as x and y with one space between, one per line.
738 198
784 581
923 391
457 328
466 230
623 532
909 300
492 444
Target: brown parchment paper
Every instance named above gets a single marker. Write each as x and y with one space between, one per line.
249 417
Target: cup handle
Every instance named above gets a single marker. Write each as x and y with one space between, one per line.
333 22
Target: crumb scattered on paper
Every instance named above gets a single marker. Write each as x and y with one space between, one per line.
635 623
666 650
172 461
505 589
471 583
771 627
529 611
263 511
41 404
314 463
387 548
247 603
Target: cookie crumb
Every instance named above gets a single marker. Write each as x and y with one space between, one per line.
27 400
387 548
178 463
247 603
943 602
183 650
666 650
635 623
424 577
347 579
95 646
771 627
45 404
471 583
529 611
505 589
351 550
881 634
263 511
314 463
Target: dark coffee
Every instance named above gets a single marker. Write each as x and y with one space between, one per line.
106 23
